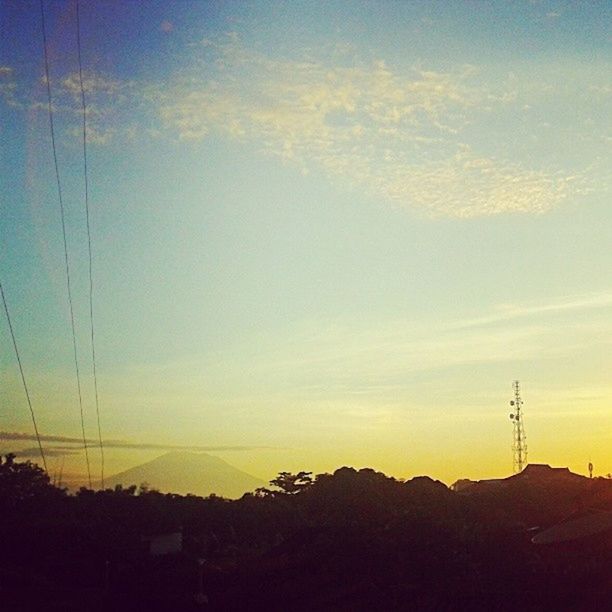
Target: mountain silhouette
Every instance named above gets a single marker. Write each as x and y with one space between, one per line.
184 472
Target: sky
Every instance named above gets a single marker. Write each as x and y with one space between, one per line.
324 233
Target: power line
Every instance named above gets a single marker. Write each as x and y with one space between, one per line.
23 380
86 181
66 259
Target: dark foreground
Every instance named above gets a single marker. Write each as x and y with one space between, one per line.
354 540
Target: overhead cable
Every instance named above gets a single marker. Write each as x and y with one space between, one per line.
23 380
91 284
63 219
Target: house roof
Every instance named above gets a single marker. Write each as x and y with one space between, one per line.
593 522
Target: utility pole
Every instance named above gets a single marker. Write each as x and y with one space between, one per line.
519 444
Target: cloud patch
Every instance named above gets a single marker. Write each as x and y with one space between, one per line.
396 134
428 140
8 86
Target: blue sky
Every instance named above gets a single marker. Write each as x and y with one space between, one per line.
335 232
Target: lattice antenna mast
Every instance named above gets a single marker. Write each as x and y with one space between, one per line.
519 440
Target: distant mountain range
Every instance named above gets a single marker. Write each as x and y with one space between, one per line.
185 472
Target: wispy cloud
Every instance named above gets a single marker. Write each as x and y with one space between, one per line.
8 87
348 361
507 312
110 104
398 134
406 135
120 444
371 360
34 452
466 185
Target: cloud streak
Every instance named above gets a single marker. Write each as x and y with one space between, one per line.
376 359
118 444
34 452
507 312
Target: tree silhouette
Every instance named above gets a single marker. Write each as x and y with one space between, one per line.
23 481
288 483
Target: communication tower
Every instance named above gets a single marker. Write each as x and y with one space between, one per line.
519 443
